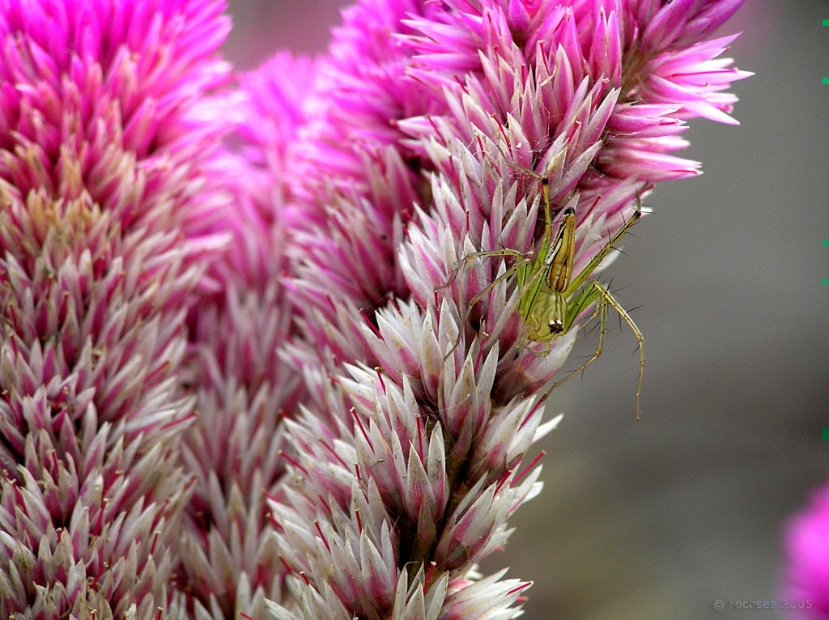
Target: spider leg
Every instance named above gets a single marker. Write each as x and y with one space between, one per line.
589 296
598 293
640 341
548 346
509 272
470 257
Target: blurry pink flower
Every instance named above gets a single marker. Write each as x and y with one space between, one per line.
806 586
229 556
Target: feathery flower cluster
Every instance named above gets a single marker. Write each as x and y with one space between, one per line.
408 449
190 327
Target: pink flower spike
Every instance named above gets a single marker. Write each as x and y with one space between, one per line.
280 342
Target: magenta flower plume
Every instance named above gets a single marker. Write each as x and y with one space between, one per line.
110 115
806 579
437 131
269 350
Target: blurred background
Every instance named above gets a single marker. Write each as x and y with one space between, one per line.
661 518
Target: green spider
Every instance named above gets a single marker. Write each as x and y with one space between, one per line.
551 297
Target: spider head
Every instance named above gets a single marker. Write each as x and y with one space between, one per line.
545 317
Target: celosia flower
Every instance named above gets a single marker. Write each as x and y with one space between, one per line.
293 290
806 587
108 123
408 457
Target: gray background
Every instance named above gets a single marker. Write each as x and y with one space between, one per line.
658 519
